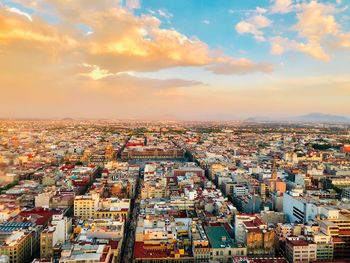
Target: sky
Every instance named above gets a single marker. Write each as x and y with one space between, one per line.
174 59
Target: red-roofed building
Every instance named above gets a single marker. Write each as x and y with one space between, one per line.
144 252
258 237
38 216
298 250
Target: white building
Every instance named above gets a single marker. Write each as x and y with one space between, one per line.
43 199
63 227
299 208
240 190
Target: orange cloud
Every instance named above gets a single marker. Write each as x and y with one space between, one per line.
253 26
282 6
14 27
119 40
315 22
50 70
226 66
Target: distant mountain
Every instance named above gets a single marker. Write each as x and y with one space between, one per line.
315 117
259 119
320 117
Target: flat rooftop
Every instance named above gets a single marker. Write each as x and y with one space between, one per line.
219 237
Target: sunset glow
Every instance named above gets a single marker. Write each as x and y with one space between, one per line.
192 59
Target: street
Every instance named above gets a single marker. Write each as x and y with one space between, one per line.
129 236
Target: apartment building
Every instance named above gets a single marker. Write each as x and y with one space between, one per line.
325 246
85 206
47 242
299 250
338 227
222 246
18 246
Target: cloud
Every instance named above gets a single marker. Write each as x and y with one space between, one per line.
316 23
18 34
149 83
165 13
50 67
63 70
72 9
239 66
282 6
133 4
130 79
96 72
316 20
253 26
19 12
124 42
207 22
280 45
246 27
344 41
260 10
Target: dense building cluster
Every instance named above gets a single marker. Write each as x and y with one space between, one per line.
117 191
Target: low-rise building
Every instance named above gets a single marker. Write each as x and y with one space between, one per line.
85 206
299 250
223 248
18 246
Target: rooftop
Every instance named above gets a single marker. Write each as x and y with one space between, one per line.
298 242
218 237
141 250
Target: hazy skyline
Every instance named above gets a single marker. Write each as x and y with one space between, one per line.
200 59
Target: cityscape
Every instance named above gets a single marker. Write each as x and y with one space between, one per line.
106 191
175 131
